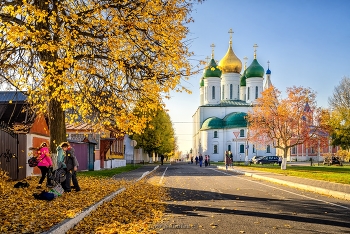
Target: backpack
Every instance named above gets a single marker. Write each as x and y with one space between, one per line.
58 175
44 196
32 161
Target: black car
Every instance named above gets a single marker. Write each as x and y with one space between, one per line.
255 159
267 160
333 161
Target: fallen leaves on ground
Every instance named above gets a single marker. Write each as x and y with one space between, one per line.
135 210
20 212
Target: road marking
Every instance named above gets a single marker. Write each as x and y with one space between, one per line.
161 178
330 203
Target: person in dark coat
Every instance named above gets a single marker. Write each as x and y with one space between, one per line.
200 160
72 165
162 158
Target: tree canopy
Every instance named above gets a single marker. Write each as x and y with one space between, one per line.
158 136
339 118
286 122
94 58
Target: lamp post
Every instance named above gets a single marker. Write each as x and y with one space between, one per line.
133 143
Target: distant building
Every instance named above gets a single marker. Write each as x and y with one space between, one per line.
226 95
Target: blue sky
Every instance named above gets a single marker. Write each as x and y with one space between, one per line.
306 41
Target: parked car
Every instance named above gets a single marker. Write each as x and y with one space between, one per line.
267 160
254 159
333 161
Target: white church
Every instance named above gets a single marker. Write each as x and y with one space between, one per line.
226 95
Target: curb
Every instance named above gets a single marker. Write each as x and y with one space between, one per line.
67 224
328 192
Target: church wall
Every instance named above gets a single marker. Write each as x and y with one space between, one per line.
252 83
227 80
209 83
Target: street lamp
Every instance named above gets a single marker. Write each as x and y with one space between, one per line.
133 143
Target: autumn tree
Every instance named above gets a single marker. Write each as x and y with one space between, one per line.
95 58
158 136
340 114
286 122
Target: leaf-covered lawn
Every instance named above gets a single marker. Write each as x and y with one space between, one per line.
20 212
135 210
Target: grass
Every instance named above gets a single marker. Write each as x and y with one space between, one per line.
109 172
337 174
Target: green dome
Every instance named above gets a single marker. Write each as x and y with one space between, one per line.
235 120
212 123
202 82
212 70
243 79
255 70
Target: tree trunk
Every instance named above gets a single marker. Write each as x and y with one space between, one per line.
57 125
284 160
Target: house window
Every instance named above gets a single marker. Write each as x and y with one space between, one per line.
248 95
223 92
312 150
241 133
215 134
229 148
230 91
253 148
241 149
256 92
268 149
294 150
215 149
77 137
213 92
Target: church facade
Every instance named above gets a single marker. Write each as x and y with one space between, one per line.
226 96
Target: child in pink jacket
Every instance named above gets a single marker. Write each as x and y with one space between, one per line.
44 163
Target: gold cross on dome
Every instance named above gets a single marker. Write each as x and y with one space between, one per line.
255 46
212 50
207 59
230 32
245 62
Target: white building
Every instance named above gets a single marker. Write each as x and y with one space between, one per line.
219 123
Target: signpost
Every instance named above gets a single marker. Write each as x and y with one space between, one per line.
236 135
133 143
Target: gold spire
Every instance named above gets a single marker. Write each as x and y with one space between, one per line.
230 32
212 50
245 62
230 63
255 46
207 59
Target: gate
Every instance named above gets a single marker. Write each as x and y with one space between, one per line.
9 151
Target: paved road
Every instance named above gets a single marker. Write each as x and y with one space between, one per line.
208 200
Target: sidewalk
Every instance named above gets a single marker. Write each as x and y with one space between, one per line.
332 189
136 174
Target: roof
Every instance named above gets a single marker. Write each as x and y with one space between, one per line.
228 103
7 96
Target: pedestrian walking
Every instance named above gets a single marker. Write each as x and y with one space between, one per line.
192 160
71 163
279 161
162 159
200 160
227 159
44 162
206 161
196 160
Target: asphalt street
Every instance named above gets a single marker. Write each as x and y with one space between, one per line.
209 200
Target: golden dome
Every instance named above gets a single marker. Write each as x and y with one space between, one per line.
230 63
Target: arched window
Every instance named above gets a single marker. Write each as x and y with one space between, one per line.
241 149
237 92
248 94
215 134
215 149
223 92
268 149
213 92
229 148
230 91
241 133
256 92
